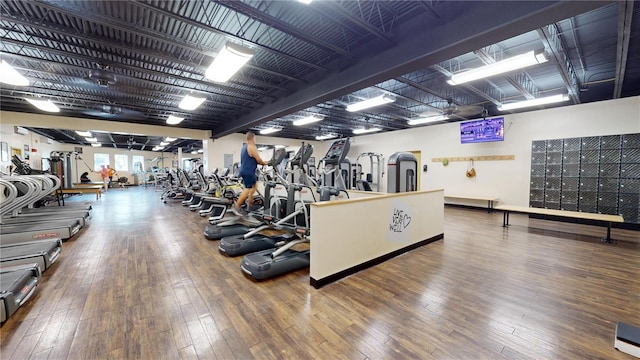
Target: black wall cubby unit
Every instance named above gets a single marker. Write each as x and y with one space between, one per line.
598 174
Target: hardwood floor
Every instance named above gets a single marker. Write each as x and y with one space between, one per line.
141 282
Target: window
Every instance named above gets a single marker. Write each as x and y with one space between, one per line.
138 163
100 159
186 164
122 162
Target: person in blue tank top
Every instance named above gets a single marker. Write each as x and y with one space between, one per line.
249 161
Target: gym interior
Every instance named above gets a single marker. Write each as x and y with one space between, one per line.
519 238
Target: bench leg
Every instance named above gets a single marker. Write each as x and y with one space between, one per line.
608 239
505 219
489 206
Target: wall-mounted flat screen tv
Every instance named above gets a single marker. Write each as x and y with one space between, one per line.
484 130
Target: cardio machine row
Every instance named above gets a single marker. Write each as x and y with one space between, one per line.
31 235
267 235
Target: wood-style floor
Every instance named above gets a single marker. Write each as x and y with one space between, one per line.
141 282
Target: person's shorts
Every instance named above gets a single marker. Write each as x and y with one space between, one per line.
248 180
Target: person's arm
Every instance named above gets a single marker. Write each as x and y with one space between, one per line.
253 152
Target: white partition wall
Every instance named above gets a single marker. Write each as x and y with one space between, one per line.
351 235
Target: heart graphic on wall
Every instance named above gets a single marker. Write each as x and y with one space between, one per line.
399 221
406 221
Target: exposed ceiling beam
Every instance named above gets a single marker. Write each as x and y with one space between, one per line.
138 31
480 24
489 93
334 6
526 88
120 86
550 36
228 35
135 69
625 14
276 23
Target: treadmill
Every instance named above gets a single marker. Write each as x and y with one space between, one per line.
43 252
17 284
20 233
270 263
34 217
30 191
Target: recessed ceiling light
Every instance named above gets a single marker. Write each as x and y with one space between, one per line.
326 137
269 130
191 102
44 105
11 76
174 120
365 131
308 120
534 102
369 103
84 133
426 120
228 61
500 67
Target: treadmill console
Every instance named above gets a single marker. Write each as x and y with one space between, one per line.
337 152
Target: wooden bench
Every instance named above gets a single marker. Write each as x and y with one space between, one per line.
94 183
81 190
489 199
608 219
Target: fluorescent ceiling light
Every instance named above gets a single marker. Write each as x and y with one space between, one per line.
83 133
11 76
173 120
200 151
96 144
369 103
326 136
164 143
500 67
91 139
534 102
191 102
306 2
365 131
280 147
157 148
229 60
427 120
194 152
44 105
269 130
308 120
170 139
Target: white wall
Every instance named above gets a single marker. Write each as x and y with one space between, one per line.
232 144
506 179
341 241
31 140
43 149
9 119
